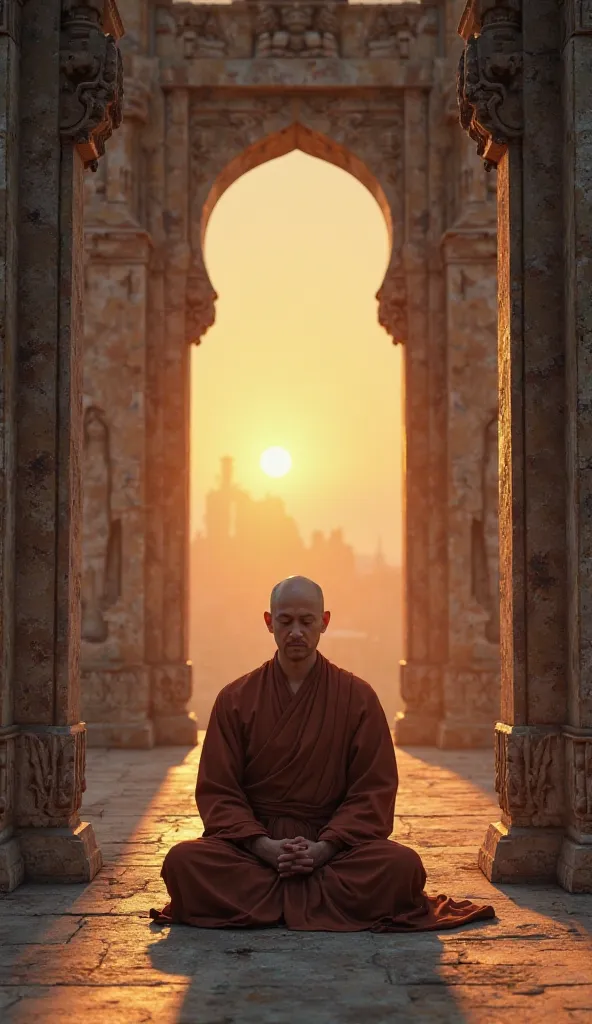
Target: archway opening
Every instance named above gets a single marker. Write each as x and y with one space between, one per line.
296 250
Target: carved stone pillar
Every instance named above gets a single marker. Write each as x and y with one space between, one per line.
67 73
575 863
421 674
471 677
11 861
509 94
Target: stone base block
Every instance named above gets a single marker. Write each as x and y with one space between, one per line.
412 729
12 865
520 854
454 734
176 730
574 868
60 854
120 735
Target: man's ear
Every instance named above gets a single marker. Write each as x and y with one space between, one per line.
268 621
326 620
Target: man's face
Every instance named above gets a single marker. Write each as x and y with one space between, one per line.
297 622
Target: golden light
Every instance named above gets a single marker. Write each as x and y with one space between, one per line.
276 462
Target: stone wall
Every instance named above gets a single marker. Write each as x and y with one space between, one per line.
211 92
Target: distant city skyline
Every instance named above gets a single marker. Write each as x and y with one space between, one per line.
364 558
296 250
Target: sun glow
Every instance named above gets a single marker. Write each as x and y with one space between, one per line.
276 462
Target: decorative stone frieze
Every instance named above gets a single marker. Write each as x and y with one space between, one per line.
91 76
489 83
529 774
50 775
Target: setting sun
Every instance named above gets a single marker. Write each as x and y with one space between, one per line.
276 462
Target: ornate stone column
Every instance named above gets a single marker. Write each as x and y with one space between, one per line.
575 863
116 681
69 77
509 92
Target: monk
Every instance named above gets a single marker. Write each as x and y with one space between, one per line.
296 788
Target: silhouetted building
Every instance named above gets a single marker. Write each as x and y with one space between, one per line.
248 545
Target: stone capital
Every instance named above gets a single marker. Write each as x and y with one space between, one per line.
489 80
91 76
50 764
529 775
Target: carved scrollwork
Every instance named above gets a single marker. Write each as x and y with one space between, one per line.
489 81
50 776
91 78
529 774
392 306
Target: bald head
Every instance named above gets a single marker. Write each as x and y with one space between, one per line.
296 588
297 617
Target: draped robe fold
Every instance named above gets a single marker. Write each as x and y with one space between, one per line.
321 764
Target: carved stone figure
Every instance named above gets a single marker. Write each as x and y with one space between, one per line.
489 81
101 535
200 30
91 79
484 540
296 30
392 33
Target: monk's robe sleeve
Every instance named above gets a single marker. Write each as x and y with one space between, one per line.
368 808
222 804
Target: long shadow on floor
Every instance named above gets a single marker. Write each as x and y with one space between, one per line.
280 976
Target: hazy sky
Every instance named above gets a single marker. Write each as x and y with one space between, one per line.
296 250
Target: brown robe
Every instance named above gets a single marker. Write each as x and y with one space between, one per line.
319 763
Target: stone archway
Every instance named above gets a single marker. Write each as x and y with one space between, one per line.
220 91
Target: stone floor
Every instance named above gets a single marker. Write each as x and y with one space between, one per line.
76 951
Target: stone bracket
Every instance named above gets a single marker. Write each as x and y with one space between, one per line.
91 76
489 81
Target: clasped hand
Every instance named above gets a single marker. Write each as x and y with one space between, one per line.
296 856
